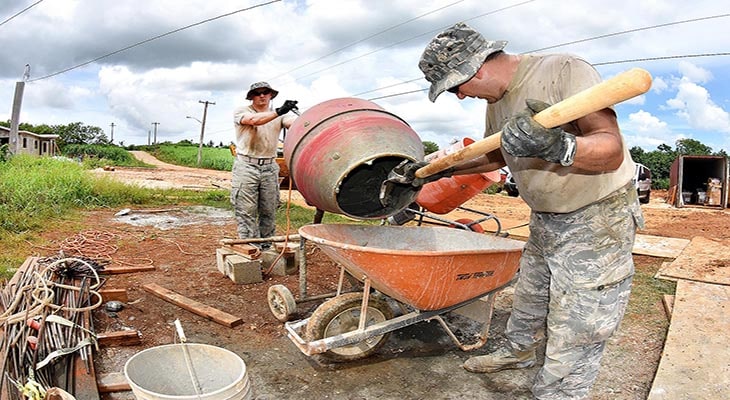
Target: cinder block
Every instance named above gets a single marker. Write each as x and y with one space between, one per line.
220 255
267 259
292 254
243 270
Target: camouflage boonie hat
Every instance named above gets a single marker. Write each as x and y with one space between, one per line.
454 56
259 85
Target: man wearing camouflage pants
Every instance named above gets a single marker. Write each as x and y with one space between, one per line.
255 175
576 268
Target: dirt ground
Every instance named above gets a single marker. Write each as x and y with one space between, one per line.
418 361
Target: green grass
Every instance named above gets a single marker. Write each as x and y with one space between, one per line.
40 192
211 157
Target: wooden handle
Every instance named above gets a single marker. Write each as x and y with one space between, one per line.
620 88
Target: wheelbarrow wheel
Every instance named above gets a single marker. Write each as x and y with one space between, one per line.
281 302
340 315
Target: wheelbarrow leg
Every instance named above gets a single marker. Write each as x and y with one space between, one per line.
484 334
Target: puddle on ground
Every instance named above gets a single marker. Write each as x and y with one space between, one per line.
176 217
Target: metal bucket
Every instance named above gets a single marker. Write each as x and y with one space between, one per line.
164 373
340 151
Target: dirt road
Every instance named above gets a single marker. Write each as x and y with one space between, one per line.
417 362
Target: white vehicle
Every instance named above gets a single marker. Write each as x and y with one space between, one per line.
642 182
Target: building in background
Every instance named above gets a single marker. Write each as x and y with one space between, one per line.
31 143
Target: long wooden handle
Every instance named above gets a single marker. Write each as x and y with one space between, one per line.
621 87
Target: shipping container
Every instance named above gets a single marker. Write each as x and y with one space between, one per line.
699 181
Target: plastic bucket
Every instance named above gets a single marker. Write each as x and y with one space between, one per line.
339 153
446 194
163 373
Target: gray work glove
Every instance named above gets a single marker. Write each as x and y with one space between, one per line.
286 107
522 136
407 169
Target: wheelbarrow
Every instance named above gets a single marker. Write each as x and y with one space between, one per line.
427 271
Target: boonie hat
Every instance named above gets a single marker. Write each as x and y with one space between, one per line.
259 85
454 56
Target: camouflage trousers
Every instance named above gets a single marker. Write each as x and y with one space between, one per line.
255 198
575 278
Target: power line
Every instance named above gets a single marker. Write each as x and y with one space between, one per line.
366 38
595 38
630 31
662 58
413 37
20 12
154 38
594 64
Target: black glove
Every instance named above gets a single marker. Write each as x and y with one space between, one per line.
407 169
286 107
522 136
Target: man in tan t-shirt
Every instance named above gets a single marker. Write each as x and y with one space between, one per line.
255 175
576 267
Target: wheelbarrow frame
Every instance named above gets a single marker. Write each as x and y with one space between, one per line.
295 329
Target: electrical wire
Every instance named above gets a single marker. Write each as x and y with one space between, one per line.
587 40
20 12
413 37
366 38
153 38
629 31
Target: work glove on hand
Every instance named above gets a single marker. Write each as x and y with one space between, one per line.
407 169
522 136
286 107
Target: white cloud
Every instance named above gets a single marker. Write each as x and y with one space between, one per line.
693 104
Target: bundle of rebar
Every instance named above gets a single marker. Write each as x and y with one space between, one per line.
46 321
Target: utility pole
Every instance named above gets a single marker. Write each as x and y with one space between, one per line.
149 133
155 124
202 128
14 145
112 139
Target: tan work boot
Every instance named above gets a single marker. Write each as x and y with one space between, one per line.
502 358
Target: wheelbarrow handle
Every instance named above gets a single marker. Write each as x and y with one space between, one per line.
624 86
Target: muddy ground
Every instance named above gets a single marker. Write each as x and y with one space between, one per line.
417 362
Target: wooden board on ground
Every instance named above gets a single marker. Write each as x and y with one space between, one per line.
703 260
648 245
112 382
193 306
659 246
694 364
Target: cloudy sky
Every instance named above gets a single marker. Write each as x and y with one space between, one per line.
135 62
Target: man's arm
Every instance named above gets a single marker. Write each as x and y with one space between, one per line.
599 146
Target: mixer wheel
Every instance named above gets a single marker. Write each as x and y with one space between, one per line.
281 302
340 315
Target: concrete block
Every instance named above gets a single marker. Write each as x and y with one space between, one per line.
267 259
220 255
243 270
292 254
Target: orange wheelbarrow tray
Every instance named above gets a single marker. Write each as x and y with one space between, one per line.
432 270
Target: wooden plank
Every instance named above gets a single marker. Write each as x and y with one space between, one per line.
703 260
112 382
193 306
668 302
119 338
694 363
659 246
126 270
114 294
